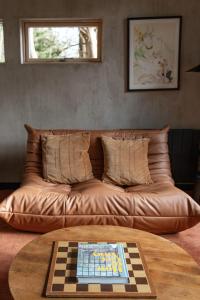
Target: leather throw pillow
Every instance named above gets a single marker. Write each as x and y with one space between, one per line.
65 158
126 161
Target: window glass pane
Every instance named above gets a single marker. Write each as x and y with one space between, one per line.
2 56
77 42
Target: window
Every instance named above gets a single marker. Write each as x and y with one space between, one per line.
61 40
2 55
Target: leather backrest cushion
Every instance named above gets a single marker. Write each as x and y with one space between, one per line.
158 156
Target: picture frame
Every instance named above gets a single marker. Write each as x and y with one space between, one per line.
154 45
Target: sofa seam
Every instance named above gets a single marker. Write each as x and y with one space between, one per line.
85 215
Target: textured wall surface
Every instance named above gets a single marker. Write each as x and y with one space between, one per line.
90 95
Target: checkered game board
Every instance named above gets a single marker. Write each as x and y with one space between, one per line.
62 281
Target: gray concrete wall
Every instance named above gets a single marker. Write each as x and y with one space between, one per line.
90 95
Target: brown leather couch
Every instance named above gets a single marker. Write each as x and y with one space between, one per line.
159 207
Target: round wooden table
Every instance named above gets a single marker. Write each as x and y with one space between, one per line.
174 273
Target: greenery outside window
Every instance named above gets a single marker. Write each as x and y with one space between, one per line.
2 54
61 40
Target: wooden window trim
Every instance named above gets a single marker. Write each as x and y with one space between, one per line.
26 23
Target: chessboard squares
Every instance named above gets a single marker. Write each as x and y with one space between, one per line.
61 260
73 244
94 288
137 267
118 288
131 245
139 273
124 244
71 250
64 279
141 280
127 255
58 280
143 288
62 249
73 253
132 280
133 250
129 267
70 273
61 254
134 255
128 261
60 266
131 288
70 288
59 273
82 287
71 267
57 287
71 260
135 261
125 250
63 244
130 273
70 279
107 287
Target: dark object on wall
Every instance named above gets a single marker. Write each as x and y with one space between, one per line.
195 69
197 185
183 149
9 185
154 53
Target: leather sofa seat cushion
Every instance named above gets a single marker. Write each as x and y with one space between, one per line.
42 207
65 158
126 161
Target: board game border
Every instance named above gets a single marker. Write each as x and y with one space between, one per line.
77 294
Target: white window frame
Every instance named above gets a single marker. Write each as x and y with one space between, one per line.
26 23
2 23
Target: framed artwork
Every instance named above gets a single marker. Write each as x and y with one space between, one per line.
154 53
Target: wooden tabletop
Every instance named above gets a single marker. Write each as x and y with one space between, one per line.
174 273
